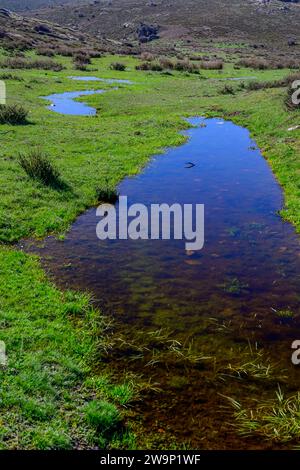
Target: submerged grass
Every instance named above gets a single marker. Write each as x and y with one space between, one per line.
277 419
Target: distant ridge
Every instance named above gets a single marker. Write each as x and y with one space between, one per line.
23 5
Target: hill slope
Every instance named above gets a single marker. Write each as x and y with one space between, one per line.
22 5
250 20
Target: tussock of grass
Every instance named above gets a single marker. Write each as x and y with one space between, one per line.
107 194
102 415
13 114
10 76
119 66
38 166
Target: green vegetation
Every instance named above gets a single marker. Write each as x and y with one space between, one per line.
132 123
13 114
118 66
277 419
38 166
51 396
284 314
235 286
23 63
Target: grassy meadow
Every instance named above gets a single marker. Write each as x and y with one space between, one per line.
51 397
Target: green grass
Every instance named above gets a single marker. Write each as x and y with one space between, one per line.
133 122
48 393
50 396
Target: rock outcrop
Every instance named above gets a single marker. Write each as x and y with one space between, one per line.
147 33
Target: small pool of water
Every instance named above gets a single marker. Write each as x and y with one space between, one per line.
236 79
104 80
63 103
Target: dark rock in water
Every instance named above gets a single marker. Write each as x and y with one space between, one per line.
147 33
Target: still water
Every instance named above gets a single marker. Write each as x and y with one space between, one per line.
218 299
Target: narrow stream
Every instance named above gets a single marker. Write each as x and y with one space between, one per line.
215 301
63 103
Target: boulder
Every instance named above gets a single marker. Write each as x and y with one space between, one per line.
42 29
147 33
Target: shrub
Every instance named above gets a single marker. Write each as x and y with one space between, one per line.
228 90
211 64
186 66
118 66
64 51
13 114
283 82
82 57
254 63
80 66
10 76
22 63
46 51
166 63
39 167
155 67
147 56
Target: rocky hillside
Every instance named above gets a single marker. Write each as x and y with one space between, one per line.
21 32
23 5
249 20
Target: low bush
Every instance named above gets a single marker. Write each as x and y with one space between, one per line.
147 57
46 51
186 66
254 63
227 90
118 66
22 63
154 66
82 57
166 63
211 65
10 76
262 64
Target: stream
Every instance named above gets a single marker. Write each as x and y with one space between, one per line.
213 302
